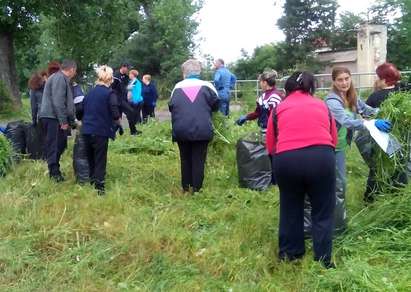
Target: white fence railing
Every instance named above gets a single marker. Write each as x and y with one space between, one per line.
362 82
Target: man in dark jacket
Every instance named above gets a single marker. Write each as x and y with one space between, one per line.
56 114
119 86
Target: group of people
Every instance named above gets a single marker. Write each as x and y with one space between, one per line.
306 137
137 98
58 104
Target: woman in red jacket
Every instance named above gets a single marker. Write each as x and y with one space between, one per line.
301 134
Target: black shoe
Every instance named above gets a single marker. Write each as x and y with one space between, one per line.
328 265
57 178
100 189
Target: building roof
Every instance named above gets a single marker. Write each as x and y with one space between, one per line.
338 56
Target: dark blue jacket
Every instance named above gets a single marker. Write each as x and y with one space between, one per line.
149 93
100 112
191 105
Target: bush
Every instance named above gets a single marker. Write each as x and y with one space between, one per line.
5 155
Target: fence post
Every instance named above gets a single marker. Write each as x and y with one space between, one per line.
258 89
235 91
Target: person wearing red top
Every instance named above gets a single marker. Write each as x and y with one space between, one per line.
302 135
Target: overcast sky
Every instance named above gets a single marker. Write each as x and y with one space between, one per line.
227 26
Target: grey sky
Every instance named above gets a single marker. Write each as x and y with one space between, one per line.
227 26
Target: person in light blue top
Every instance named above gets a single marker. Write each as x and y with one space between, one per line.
135 99
224 80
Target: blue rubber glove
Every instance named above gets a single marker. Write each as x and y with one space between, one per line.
383 125
241 120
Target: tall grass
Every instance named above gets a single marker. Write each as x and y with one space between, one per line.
147 235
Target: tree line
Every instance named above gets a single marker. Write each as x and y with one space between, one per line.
312 24
155 35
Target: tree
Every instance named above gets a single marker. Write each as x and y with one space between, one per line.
399 30
307 25
35 32
16 20
345 34
263 57
164 39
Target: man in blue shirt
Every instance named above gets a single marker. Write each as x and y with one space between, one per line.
224 80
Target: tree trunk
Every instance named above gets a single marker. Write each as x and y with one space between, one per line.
8 67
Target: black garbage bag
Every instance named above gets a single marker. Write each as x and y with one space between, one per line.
15 132
340 215
253 163
80 162
365 145
307 217
34 141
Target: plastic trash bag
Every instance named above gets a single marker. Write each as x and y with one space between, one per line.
253 163
15 132
34 141
365 145
80 162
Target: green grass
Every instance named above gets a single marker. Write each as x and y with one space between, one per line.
147 235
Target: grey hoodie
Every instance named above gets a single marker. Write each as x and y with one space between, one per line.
336 106
57 102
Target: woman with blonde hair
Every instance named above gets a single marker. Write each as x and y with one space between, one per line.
101 114
346 107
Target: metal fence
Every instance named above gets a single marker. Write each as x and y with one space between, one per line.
362 81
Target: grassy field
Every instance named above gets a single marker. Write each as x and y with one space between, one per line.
146 235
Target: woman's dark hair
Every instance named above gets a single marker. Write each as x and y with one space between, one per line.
303 81
53 67
36 81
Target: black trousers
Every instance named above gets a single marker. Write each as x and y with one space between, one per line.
96 149
135 117
148 111
55 144
193 155
308 171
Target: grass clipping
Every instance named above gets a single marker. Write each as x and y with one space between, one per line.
397 109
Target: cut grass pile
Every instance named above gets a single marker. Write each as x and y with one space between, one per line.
145 234
397 109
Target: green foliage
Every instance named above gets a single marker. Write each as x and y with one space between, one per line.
307 25
397 109
345 34
5 155
163 42
264 57
397 15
